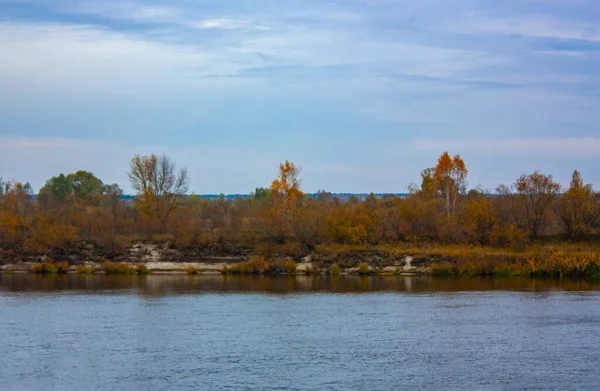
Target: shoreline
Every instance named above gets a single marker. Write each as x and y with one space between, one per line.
541 260
200 268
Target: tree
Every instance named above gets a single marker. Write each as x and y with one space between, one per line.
261 194
287 183
579 209
537 192
159 188
86 186
450 179
112 198
427 182
58 188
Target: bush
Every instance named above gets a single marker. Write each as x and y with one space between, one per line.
49 267
63 267
192 270
311 270
82 269
142 269
290 266
334 270
363 269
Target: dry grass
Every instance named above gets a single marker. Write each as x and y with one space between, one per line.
118 268
255 265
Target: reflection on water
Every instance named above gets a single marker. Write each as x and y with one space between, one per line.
183 284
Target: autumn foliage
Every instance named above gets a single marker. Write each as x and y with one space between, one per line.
280 220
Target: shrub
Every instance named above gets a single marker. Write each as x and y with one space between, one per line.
334 270
82 269
62 267
142 269
48 267
192 270
363 269
311 270
290 266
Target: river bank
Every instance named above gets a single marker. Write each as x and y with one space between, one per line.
556 260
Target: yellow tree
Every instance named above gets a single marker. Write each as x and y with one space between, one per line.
450 179
285 195
287 183
579 209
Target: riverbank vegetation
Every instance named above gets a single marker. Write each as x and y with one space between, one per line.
532 226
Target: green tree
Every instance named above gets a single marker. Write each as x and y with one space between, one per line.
58 188
86 186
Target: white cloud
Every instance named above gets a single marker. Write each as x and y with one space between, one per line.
225 24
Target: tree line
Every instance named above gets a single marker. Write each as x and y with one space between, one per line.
79 207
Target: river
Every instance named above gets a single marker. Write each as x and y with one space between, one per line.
175 332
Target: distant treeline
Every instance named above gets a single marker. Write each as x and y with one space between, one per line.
80 207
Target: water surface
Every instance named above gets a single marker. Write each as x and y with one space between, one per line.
349 333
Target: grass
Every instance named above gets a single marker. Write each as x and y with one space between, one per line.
555 264
118 268
540 259
443 270
255 265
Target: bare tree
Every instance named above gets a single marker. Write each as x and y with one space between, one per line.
159 187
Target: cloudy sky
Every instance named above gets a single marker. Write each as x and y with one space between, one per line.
362 94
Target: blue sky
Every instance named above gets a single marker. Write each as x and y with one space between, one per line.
362 94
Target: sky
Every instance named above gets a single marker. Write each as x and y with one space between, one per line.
361 94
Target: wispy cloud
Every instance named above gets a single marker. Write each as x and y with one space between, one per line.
530 26
220 23
568 146
513 77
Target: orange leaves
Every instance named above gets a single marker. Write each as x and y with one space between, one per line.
287 182
450 179
349 224
50 234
